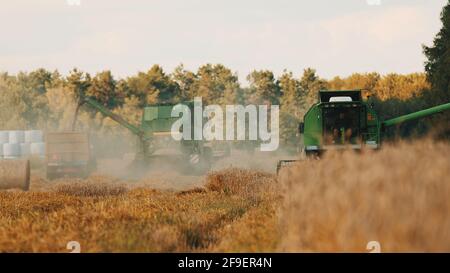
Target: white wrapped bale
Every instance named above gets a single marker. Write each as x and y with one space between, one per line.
16 137
34 136
37 149
1 150
25 149
11 150
4 137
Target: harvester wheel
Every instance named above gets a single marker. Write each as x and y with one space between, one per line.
200 163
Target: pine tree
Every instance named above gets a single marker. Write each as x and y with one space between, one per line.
289 107
437 66
217 84
263 88
310 84
185 81
103 89
438 71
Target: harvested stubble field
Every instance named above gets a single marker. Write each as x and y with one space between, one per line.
397 196
106 214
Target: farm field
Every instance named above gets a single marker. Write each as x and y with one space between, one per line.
107 214
397 196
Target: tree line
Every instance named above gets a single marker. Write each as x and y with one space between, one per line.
46 100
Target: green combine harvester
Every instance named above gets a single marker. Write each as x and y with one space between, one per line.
342 120
155 140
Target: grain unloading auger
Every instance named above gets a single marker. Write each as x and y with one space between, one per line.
342 120
155 138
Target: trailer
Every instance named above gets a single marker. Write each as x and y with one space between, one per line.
69 154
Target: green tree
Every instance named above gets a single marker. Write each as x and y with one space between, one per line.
310 84
62 105
291 93
103 89
40 79
401 87
366 81
289 107
437 66
78 82
12 105
186 81
154 86
263 88
216 84
32 88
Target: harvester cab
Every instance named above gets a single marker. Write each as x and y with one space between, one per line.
342 119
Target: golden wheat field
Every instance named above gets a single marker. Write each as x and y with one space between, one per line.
397 196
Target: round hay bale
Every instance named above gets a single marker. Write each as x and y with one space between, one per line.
25 149
11 150
15 174
16 136
34 136
37 149
4 137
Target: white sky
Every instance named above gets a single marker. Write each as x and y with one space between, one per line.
126 36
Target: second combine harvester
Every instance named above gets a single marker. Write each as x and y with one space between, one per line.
342 120
155 140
